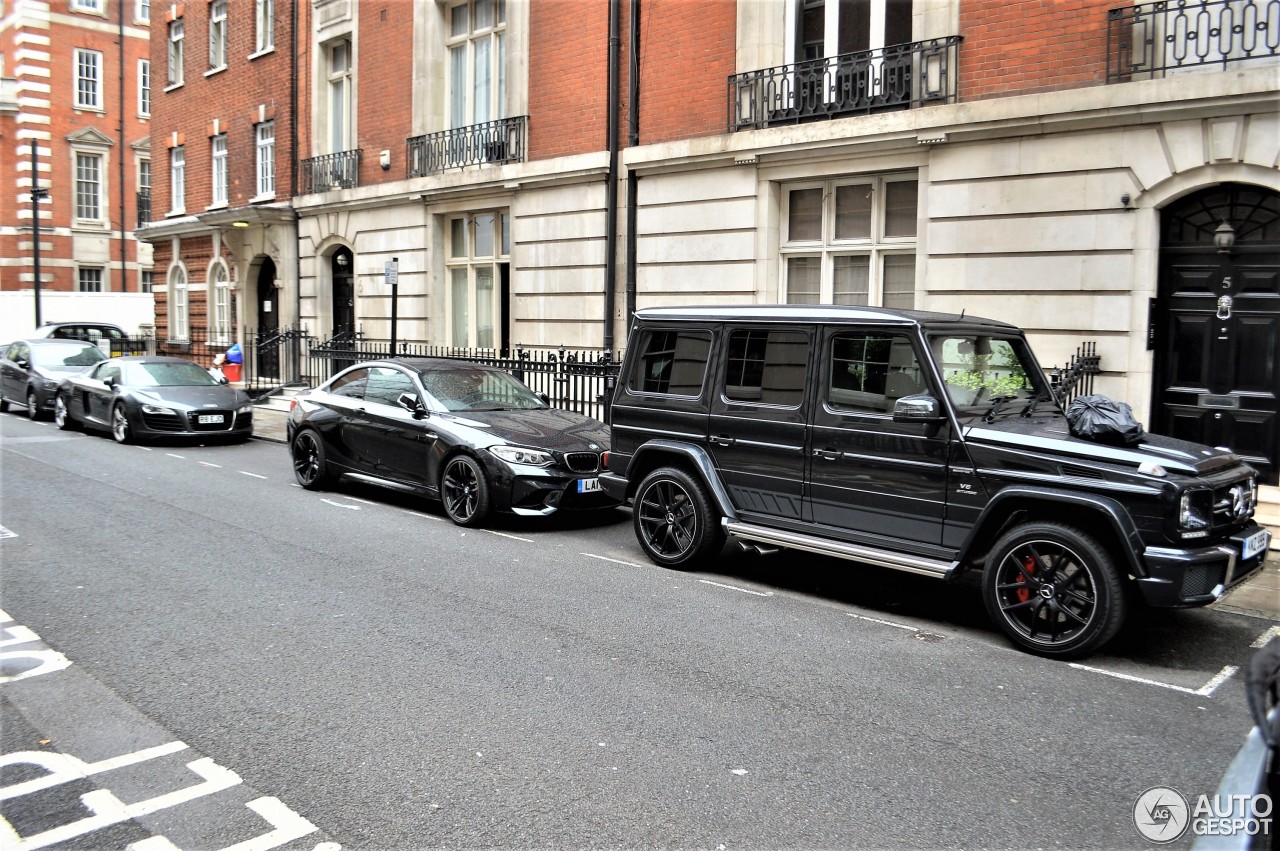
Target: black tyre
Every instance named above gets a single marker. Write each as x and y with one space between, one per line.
675 521
464 489
120 424
4 405
309 465
33 405
1054 590
62 415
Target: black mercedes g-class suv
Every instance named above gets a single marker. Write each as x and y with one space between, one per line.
925 442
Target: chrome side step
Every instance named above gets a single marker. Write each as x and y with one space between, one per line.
853 552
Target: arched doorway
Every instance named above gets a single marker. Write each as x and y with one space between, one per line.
267 352
1217 330
344 293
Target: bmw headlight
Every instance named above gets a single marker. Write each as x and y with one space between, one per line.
520 455
156 409
1195 513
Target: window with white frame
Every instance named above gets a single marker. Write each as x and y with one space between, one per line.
97 6
851 241
479 248
88 79
338 101
264 16
218 158
89 279
146 280
832 27
176 38
178 329
144 87
477 38
89 187
142 10
265 134
177 180
217 35
220 298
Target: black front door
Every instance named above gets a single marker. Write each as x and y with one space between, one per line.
344 305
267 349
1217 328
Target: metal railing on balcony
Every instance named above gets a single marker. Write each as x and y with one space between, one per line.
331 171
900 76
501 141
1150 40
144 207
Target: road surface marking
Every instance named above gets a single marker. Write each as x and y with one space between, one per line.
907 627
1206 690
143 448
288 826
423 516
736 588
361 501
64 768
614 560
342 505
1265 638
5 533
207 464
179 457
505 535
255 475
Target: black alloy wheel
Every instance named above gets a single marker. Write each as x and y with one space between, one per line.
61 415
309 465
120 424
1053 590
464 491
33 405
675 520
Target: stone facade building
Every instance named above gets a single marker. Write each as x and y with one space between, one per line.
75 85
1063 166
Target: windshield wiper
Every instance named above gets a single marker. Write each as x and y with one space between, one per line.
996 403
1035 400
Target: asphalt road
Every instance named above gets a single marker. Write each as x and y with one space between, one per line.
391 681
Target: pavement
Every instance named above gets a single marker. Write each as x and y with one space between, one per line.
1259 597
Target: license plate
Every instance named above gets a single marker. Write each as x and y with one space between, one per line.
588 485
205 419
1254 544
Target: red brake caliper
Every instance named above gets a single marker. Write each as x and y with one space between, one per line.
1029 565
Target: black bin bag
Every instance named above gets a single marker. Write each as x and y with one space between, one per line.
1103 419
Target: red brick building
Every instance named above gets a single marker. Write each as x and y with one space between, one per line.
76 79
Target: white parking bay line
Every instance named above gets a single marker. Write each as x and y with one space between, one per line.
614 560
254 475
207 464
736 588
505 535
341 505
423 516
179 457
1264 639
1206 690
907 627
362 501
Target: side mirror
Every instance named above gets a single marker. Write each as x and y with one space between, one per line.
546 400
411 403
22 363
222 379
918 408
110 381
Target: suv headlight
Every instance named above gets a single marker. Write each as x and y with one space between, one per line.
520 455
1195 513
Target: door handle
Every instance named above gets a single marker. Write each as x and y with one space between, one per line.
827 454
722 440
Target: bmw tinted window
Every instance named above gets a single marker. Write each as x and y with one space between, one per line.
351 384
672 362
385 386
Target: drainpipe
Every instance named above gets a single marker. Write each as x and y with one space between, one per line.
293 192
611 191
124 269
633 139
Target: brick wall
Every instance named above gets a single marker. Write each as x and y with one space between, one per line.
384 78
1031 46
568 77
687 52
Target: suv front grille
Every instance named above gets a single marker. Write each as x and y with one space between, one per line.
1232 504
582 462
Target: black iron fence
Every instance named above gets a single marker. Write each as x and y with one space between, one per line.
1076 378
330 171
899 76
500 141
1149 40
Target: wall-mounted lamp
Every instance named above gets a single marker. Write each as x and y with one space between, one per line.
239 224
1124 200
1224 236
341 260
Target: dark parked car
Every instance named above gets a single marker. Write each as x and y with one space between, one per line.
30 371
929 443
139 397
471 436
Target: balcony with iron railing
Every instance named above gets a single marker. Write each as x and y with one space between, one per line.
1152 40
496 142
901 76
330 171
144 207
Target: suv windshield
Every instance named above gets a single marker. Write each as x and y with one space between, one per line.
987 375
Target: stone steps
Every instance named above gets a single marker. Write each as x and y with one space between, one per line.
1268 512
